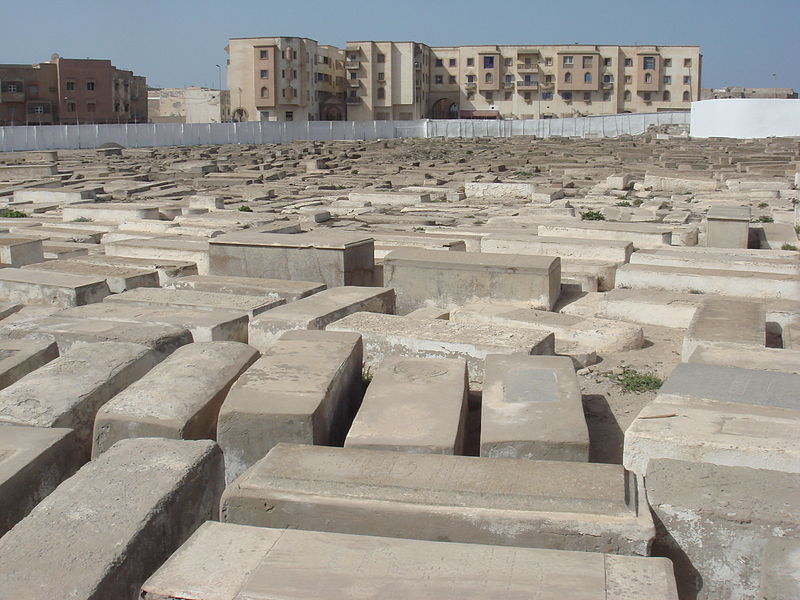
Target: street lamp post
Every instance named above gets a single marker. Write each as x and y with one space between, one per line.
219 69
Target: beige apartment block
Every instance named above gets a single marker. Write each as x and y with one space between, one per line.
386 80
284 79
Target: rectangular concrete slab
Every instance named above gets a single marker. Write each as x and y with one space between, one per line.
166 269
304 389
162 249
532 408
386 335
414 405
17 251
726 324
273 289
250 305
506 502
318 311
119 279
107 528
259 563
334 258
69 390
68 332
33 461
204 325
715 523
448 279
57 289
179 398
593 249
20 357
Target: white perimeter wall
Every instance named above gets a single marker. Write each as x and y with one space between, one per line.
57 137
745 118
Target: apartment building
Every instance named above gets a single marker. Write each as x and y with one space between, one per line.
388 80
410 80
284 79
70 91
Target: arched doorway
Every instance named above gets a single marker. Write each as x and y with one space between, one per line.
240 115
444 108
332 109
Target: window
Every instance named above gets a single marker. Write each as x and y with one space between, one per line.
608 79
451 79
648 78
548 61
547 96
381 93
607 62
470 78
686 97
508 95
649 63
470 62
667 62
627 96
567 96
489 96
294 74
687 80
667 79
606 96
265 74
548 79
687 62
38 109
587 78
666 97
70 86
353 75
628 79
646 96
381 58
488 78
264 114
11 88
381 76
452 62
294 54
470 95
33 90
508 61
91 107
264 92
587 95
628 62
527 96
71 107
509 79
90 86
488 62
587 62
439 79
289 115
263 54
567 77
569 61
439 62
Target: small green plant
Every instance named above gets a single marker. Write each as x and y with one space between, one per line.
354 172
592 215
696 292
83 220
12 214
764 219
366 376
479 222
797 229
623 203
788 247
638 202
631 380
244 208
417 228
470 152
763 205
524 174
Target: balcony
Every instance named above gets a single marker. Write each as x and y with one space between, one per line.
470 85
418 65
352 63
353 83
508 85
607 85
528 85
547 85
12 97
527 68
353 100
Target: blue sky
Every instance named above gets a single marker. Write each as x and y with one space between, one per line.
177 43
